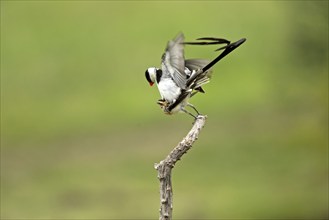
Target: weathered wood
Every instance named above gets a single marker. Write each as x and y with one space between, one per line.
165 166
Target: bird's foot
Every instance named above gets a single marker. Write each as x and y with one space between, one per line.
164 104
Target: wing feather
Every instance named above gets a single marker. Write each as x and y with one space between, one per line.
199 77
173 61
195 64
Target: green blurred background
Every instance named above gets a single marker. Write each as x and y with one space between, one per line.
80 130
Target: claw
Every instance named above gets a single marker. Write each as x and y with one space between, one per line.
164 105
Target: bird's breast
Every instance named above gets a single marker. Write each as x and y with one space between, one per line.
168 89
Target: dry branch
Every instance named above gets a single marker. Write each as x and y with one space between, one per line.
165 166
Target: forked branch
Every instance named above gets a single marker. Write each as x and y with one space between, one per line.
165 166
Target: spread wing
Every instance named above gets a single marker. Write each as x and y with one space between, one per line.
198 78
173 61
195 64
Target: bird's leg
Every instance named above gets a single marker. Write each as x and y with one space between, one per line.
187 112
192 106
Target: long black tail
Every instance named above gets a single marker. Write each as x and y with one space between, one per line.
229 47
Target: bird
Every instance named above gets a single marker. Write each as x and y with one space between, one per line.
179 79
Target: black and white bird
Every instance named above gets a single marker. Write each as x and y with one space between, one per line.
179 79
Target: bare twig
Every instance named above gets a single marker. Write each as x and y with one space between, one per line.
165 166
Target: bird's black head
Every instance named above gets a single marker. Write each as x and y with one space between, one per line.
153 75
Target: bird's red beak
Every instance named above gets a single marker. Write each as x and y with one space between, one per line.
151 83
